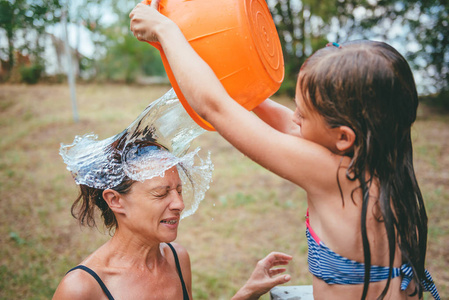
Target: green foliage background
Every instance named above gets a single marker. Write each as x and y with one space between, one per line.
303 26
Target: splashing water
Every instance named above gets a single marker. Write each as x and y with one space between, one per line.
156 141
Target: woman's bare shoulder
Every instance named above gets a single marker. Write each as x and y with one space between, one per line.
78 284
181 252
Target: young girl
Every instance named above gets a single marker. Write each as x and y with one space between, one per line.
347 145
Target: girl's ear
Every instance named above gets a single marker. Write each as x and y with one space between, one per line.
345 140
114 201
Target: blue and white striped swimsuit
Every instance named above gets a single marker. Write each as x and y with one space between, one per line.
332 268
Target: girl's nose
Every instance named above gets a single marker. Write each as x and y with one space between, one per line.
296 118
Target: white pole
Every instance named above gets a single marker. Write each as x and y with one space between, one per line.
70 76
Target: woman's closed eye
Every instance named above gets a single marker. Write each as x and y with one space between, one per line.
164 192
160 192
179 189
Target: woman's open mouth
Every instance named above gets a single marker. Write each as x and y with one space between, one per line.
169 221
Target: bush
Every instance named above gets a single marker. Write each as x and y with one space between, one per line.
439 101
31 74
288 87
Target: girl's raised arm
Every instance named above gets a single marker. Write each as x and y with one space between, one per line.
290 157
277 116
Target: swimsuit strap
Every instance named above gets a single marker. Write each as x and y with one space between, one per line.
178 267
314 235
97 278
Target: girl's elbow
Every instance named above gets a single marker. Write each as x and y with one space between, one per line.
213 107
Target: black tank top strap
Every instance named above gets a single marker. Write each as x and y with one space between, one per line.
97 278
178 267
108 294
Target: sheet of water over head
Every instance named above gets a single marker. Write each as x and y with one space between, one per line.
156 141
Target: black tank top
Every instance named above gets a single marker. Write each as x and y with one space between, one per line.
108 294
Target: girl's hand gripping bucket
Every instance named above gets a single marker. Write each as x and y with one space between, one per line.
239 41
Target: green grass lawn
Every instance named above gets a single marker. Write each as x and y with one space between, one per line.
248 212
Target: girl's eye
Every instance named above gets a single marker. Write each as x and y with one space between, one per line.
298 113
297 117
179 190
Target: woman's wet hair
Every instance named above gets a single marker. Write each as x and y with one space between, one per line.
156 141
91 199
369 87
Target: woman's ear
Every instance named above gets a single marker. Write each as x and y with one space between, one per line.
114 200
345 140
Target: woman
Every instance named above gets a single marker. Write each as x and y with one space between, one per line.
143 212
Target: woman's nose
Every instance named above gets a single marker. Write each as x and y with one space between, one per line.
177 202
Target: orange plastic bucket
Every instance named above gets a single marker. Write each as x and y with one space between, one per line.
239 41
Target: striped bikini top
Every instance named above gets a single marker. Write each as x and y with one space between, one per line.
332 268
109 295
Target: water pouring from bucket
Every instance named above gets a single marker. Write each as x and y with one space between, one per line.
104 164
237 39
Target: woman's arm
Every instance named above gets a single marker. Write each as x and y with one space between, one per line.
262 279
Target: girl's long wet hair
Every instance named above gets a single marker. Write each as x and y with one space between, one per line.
369 87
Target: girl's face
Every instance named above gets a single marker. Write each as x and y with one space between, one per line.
313 126
153 207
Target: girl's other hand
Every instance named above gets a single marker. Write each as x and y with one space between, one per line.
146 21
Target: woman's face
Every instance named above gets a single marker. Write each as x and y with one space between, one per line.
153 207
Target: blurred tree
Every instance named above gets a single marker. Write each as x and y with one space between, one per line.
434 34
11 16
126 58
303 27
38 16
423 33
26 20
419 28
91 16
